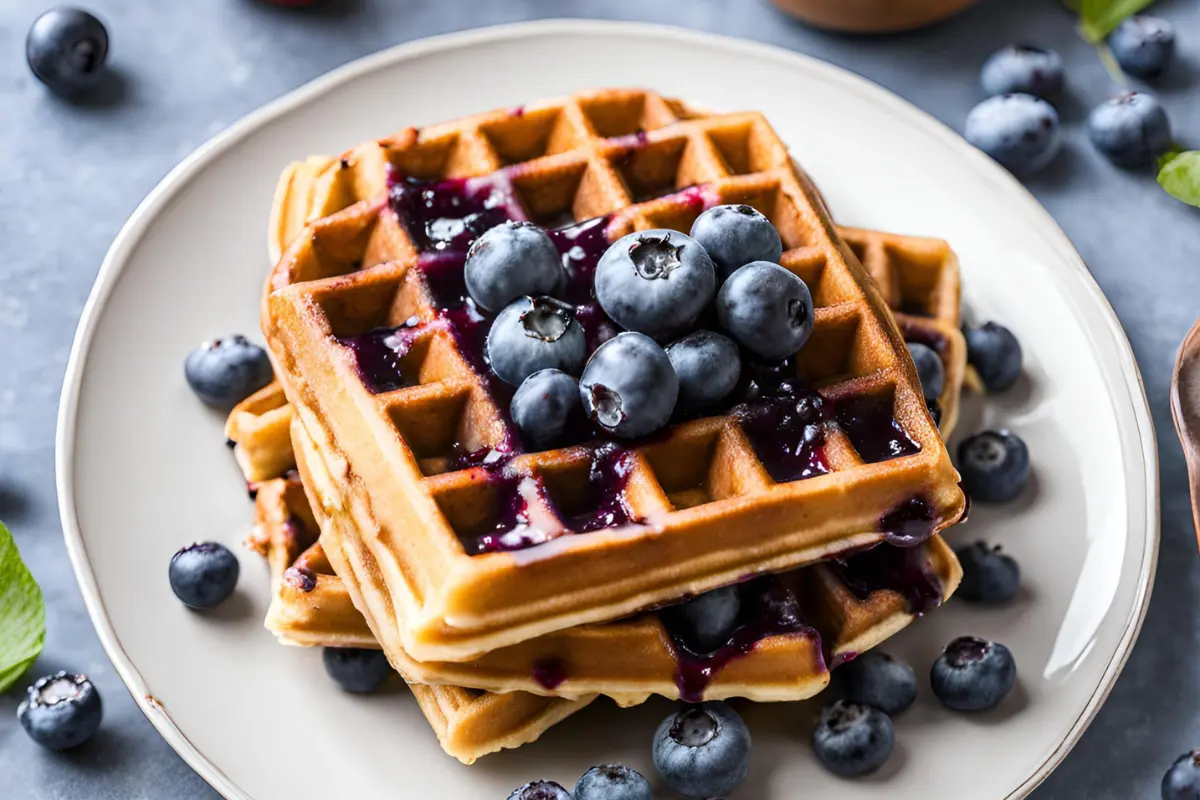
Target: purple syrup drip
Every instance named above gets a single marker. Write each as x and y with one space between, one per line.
378 354
919 334
786 432
908 524
604 505
448 215
550 673
513 527
905 571
873 430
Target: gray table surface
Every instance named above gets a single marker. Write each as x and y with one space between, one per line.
70 175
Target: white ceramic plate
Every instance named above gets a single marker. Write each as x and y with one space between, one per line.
142 469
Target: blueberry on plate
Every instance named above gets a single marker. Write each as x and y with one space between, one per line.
973 674
510 261
224 372
1182 780
541 790
930 370
613 782
703 750
877 679
1019 131
1143 46
629 387
853 739
767 309
990 577
61 711
545 408
656 282
1022 68
203 575
355 669
994 466
708 365
734 236
532 334
712 616
1131 130
66 48
995 354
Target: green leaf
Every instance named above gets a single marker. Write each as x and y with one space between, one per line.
1099 18
1180 176
22 614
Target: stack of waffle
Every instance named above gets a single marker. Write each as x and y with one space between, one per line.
508 587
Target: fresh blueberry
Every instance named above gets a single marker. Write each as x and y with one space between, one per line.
1130 130
736 235
613 782
766 308
203 575
535 333
930 370
708 366
66 48
1143 46
224 372
541 790
995 354
545 407
990 577
1182 781
703 750
877 679
1020 131
712 616
994 466
655 282
61 711
973 674
1023 68
853 738
629 387
510 261
355 669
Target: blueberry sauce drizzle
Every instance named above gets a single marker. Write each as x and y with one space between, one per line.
908 524
906 571
920 334
604 505
550 673
873 429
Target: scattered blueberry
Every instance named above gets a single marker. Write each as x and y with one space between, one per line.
1182 781
990 577
510 261
703 750
973 674
930 370
736 235
66 48
853 738
656 282
224 372
1130 130
545 406
203 575
877 679
766 308
995 354
613 782
708 366
1143 46
1023 68
994 466
628 386
712 616
61 711
535 333
356 670
541 790
1020 131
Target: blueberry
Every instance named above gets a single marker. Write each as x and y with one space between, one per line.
510 261
655 282
541 790
1022 68
708 366
66 48
929 369
734 236
545 407
877 679
1182 781
973 674
994 466
712 616
628 387
61 711
1143 46
703 750
535 333
767 309
355 669
1020 131
995 354
1130 130
990 577
203 575
853 738
613 782
224 372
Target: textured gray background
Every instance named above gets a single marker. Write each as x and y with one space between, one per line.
70 175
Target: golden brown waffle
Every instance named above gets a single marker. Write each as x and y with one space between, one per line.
257 428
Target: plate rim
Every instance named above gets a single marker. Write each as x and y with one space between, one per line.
167 189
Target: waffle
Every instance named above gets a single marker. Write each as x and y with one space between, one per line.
702 504
257 429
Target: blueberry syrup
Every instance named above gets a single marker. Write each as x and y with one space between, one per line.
905 571
786 432
520 518
873 430
378 354
452 213
300 578
908 524
549 673
604 505
920 334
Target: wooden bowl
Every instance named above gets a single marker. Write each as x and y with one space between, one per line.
872 16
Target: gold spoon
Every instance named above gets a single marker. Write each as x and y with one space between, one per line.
1185 408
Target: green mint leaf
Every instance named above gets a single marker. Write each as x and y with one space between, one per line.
1099 18
22 614
1180 176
